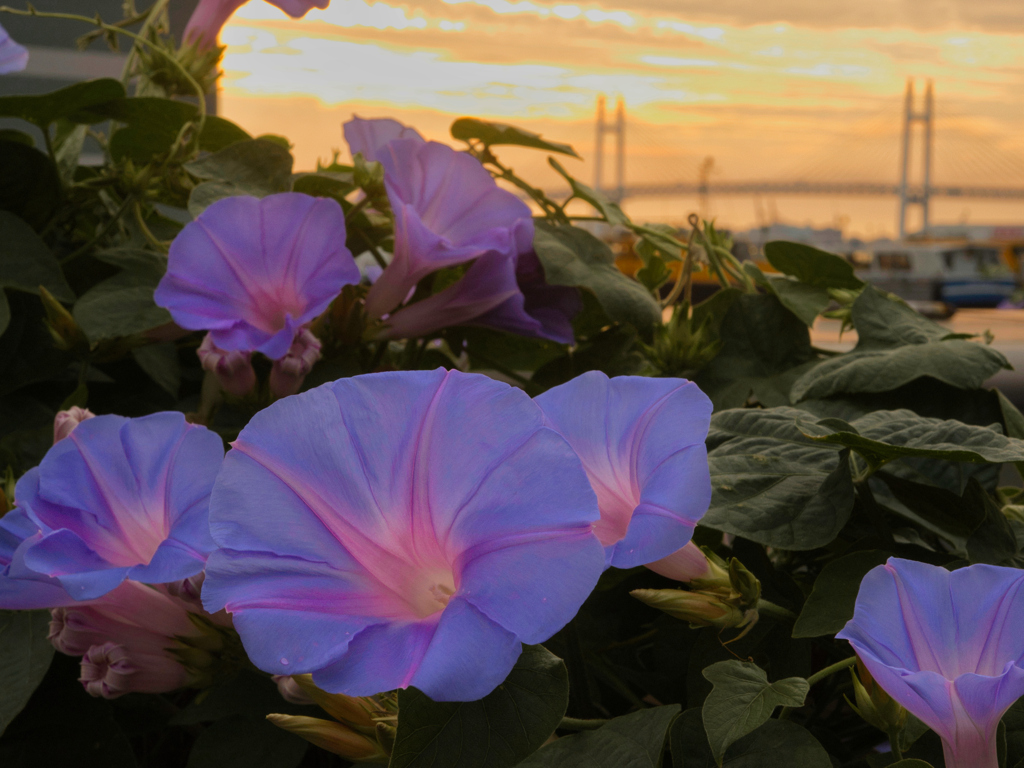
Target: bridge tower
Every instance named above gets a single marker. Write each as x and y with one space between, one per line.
909 195
619 131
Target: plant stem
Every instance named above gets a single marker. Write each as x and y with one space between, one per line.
767 608
101 234
820 675
576 724
894 742
839 666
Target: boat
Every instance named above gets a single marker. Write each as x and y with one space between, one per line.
958 274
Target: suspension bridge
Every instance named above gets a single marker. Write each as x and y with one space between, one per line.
921 172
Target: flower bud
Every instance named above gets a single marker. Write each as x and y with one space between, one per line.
702 609
66 333
234 370
290 371
334 737
290 690
65 421
111 670
691 565
355 712
874 704
138 638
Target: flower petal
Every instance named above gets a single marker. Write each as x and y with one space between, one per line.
369 136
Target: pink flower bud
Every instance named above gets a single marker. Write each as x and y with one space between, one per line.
134 615
65 421
290 690
290 371
111 670
211 15
233 369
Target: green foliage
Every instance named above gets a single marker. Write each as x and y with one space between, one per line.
498 731
742 700
830 604
25 654
630 741
494 134
572 256
764 747
772 484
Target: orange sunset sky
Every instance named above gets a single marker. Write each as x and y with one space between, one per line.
785 90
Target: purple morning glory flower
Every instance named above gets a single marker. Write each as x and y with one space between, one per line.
448 210
949 647
540 310
13 57
641 441
21 588
117 499
210 16
254 271
497 291
369 137
396 529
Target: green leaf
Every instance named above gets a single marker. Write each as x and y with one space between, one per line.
153 124
636 740
804 301
773 744
243 742
572 256
743 699
258 167
493 134
830 604
250 694
498 731
25 655
26 262
20 137
773 485
73 103
1013 423
881 436
324 184
895 346
654 274
812 266
160 362
29 184
605 205
764 349
5 312
68 143
123 304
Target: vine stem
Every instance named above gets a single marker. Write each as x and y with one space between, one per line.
576 724
767 608
820 675
151 15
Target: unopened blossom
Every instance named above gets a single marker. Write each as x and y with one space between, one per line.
65 421
947 646
254 271
690 564
135 615
13 57
233 370
641 441
288 373
111 670
116 499
334 737
290 690
210 16
397 529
